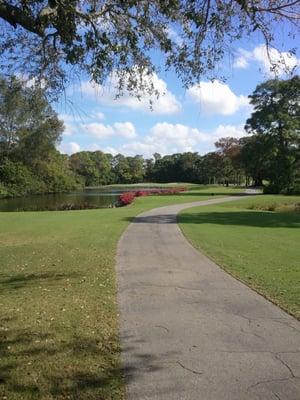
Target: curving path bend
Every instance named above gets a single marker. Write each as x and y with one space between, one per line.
189 331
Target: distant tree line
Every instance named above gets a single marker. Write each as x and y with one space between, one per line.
30 130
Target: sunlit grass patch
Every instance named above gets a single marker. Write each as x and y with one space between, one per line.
254 240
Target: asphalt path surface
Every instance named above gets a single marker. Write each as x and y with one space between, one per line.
191 331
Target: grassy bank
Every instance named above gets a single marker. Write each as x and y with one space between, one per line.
58 320
255 239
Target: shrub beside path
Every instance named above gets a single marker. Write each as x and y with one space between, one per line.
190 331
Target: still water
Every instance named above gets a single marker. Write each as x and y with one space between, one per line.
88 198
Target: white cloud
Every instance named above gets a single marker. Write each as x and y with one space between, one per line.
101 131
98 130
69 148
174 36
166 138
217 98
110 150
241 62
66 117
228 131
72 121
74 147
163 138
97 146
99 115
177 135
285 62
31 82
272 62
93 147
124 129
69 128
75 123
106 94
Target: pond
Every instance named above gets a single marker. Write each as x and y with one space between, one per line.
88 198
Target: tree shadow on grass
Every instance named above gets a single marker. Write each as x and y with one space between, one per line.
263 219
34 365
258 219
20 281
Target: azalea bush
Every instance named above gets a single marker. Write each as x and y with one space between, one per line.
173 190
141 193
128 197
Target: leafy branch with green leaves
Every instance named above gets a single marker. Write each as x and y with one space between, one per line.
54 41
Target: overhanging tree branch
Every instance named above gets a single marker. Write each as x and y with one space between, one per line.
105 37
16 16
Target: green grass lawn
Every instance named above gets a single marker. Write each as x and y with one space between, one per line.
260 247
58 319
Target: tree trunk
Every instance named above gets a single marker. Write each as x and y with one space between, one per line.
258 182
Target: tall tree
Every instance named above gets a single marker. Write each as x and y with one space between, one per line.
29 127
277 117
230 149
48 39
122 169
83 165
29 133
136 165
255 155
212 168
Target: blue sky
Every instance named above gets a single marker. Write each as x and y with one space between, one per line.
181 120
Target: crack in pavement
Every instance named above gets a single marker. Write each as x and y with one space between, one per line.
268 381
252 333
290 351
275 354
193 371
278 320
189 369
285 364
293 376
162 327
286 323
276 395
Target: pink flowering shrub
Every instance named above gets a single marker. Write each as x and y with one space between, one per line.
173 190
128 197
141 193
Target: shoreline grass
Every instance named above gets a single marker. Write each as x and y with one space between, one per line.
253 243
58 321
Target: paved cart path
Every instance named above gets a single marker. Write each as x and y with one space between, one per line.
189 331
